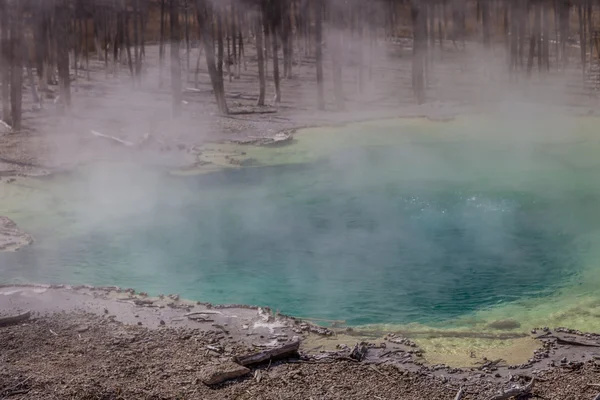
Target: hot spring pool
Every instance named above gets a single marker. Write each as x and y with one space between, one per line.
403 223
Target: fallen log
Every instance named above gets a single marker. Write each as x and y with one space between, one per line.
459 395
114 139
284 351
15 319
514 392
215 374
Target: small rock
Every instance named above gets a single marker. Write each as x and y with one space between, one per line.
161 322
214 374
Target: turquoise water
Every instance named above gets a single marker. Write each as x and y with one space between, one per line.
390 223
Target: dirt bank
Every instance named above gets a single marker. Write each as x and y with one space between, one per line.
82 342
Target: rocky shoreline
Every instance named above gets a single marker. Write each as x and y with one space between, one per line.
101 330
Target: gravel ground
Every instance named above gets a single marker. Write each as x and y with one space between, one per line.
85 356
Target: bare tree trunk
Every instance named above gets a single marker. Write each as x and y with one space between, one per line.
175 61
523 17
590 27
5 50
227 32
220 44
564 8
581 11
419 53
187 38
241 55
125 18
143 10
161 44
337 54
272 15
258 29
318 8
205 22
16 84
234 28
546 39
534 39
361 46
136 40
485 20
62 53
286 24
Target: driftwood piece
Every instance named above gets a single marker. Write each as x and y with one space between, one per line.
284 351
514 392
459 395
15 319
207 312
359 352
215 374
114 139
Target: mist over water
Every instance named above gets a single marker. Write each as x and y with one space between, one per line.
390 222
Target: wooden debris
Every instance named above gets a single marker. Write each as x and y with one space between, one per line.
199 318
207 312
214 348
114 139
514 392
285 351
459 395
15 319
359 352
214 374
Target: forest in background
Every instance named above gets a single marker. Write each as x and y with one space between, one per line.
45 43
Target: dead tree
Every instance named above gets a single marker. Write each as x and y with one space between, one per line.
259 34
161 43
485 21
62 51
175 60
204 13
16 61
220 45
272 17
318 12
419 22
535 39
337 53
286 37
5 49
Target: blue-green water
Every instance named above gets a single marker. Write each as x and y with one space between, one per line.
429 225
